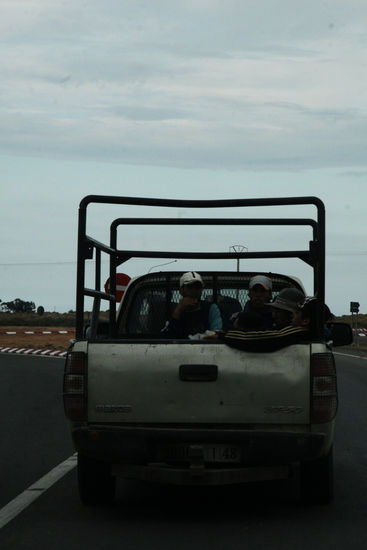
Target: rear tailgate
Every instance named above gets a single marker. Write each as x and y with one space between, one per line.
141 383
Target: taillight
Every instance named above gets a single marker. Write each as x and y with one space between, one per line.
324 392
75 386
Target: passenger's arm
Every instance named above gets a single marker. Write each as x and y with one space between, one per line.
215 318
265 340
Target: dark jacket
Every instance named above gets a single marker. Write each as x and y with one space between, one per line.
266 314
190 322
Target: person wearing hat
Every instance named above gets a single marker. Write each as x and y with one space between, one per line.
306 312
300 330
259 293
192 315
285 305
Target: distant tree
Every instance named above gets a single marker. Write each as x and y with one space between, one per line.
40 310
18 306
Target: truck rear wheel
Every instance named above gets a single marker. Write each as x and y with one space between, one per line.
317 480
95 482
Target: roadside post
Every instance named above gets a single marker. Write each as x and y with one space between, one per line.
238 248
354 309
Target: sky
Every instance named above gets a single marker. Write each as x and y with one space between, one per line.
186 100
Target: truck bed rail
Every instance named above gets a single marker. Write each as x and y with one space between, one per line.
89 248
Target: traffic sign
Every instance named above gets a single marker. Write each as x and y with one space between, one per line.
122 280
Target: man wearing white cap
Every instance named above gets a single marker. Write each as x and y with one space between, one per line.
259 294
192 315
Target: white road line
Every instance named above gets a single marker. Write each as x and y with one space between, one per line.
350 355
22 501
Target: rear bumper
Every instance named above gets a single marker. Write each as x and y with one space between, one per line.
141 446
194 475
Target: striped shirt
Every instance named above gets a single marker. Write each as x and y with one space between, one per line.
266 340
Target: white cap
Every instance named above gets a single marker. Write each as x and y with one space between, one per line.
191 277
261 280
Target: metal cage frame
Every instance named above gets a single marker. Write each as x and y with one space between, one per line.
89 247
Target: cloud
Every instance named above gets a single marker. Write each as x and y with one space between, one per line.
360 174
255 137
195 84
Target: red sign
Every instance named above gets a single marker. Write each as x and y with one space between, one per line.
122 280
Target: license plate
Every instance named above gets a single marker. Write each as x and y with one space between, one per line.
212 453
221 453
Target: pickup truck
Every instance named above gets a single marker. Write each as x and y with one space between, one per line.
195 412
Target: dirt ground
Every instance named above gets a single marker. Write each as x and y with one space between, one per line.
54 340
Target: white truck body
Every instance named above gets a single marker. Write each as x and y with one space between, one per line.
144 379
197 412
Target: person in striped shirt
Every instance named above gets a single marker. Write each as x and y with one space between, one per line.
300 330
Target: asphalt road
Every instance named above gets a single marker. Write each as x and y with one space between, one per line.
34 439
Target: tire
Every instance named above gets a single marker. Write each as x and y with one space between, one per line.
96 484
317 480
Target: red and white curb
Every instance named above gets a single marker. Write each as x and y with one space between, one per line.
37 332
34 351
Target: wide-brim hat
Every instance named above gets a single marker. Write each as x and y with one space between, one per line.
288 299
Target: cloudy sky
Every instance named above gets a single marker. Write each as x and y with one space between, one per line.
179 99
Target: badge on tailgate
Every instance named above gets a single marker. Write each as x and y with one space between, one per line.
114 408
